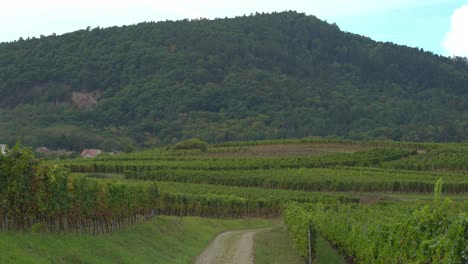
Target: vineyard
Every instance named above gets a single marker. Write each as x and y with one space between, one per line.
385 233
319 187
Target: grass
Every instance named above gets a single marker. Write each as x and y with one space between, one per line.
326 254
275 246
162 240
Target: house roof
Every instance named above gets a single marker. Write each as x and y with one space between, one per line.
90 152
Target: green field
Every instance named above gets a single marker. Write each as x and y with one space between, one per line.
352 194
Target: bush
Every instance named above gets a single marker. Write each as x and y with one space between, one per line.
128 149
193 143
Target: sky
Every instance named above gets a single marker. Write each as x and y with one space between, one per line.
440 26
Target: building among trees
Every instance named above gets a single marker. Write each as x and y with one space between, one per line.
3 149
90 153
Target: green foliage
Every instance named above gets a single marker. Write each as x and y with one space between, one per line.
344 179
264 76
128 149
387 233
38 228
193 143
37 196
299 222
224 201
372 157
267 198
442 158
438 190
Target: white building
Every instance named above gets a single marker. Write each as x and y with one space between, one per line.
3 149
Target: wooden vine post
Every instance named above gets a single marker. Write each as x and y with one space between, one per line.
309 252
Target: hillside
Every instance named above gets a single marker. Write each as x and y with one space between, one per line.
264 76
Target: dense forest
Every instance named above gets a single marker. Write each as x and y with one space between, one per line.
262 76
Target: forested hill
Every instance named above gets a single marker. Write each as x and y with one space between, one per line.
262 76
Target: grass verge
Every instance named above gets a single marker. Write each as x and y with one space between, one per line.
326 254
161 240
275 246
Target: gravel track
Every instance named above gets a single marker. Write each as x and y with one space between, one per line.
232 247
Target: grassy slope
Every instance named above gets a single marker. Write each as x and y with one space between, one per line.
162 240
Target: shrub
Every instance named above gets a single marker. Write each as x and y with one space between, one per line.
193 143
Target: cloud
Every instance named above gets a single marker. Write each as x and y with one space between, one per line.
456 40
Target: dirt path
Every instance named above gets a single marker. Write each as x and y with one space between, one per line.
232 247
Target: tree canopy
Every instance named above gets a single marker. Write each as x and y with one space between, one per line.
262 76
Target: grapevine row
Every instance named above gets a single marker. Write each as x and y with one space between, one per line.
315 179
386 233
363 158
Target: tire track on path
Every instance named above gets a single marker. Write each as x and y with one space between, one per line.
231 247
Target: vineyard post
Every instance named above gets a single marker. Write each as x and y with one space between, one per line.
180 210
309 252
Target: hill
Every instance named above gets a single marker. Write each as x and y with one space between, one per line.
263 76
